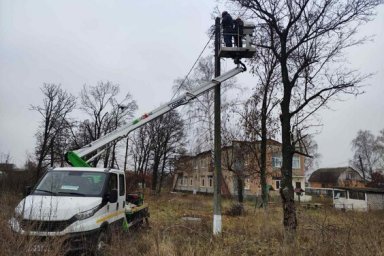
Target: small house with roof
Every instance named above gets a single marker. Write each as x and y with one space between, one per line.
335 177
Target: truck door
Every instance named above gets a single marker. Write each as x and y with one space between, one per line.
112 184
121 197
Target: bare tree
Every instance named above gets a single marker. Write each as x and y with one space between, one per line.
167 133
237 150
5 158
308 38
380 145
235 155
259 119
231 159
62 142
367 153
310 146
57 104
106 113
258 123
140 150
200 111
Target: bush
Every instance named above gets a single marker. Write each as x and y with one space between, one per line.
236 209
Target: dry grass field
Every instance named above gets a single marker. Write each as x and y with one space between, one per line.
322 231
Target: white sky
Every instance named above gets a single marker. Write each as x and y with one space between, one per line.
143 46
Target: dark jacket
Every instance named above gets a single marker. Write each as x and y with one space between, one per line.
227 23
238 26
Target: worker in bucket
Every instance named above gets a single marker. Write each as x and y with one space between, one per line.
238 32
227 25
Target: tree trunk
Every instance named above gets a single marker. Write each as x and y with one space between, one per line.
240 189
155 172
162 171
263 148
106 158
362 168
144 172
113 160
52 151
38 169
286 189
41 156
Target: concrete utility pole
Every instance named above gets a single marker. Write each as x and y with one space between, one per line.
217 142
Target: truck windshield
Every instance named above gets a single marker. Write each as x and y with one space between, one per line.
71 183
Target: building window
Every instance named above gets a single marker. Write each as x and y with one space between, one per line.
276 161
247 183
191 181
349 176
195 165
295 162
210 180
277 184
298 184
202 181
203 164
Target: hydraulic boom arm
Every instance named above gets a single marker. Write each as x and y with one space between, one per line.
77 158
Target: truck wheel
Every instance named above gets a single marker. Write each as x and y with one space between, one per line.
101 243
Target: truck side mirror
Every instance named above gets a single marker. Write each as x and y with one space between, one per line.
27 191
113 196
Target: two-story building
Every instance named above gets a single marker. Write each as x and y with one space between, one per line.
240 163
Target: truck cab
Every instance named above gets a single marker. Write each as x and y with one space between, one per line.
81 203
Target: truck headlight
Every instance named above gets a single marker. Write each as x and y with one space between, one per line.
14 224
87 214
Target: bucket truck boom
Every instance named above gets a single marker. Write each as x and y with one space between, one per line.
77 157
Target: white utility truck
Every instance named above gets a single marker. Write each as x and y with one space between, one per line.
83 204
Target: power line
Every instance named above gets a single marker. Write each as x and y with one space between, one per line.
194 64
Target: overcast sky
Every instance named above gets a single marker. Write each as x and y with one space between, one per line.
143 46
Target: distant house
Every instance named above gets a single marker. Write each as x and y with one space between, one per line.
335 177
195 173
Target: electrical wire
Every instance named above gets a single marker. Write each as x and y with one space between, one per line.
194 64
